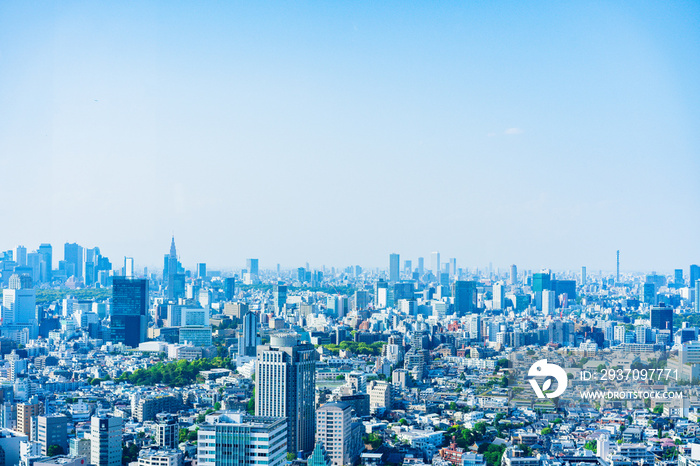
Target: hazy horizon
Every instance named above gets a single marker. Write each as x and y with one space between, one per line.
543 134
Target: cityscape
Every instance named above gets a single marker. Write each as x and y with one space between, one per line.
421 362
248 233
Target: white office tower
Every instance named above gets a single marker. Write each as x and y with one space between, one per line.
106 441
341 437
285 382
194 317
435 263
232 439
499 296
513 274
475 327
548 302
19 306
129 267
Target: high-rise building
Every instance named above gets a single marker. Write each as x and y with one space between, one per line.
174 280
617 273
541 281
678 278
697 296
19 304
380 395
285 379
106 441
73 259
129 311
233 439
341 437
499 296
319 457
464 293
128 271
513 274
46 270
279 294
202 270
229 288
453 267
662 317
249 339
393 268
649 293
167 430
21 256
25 412
408 267
435 263
421 266
583 276
252 266
52 430
693 274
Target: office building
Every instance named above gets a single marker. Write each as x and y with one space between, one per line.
421 266
52 430
279 295
662 318
249 339
129 311
583 276
499 296
79 447
380 395
649 293
693 274
73 260
340 436
25 412
513 275
285 380
233 439
229 288
196 335
464 293
19 304
45 273
21 256
393 268
435 263
202 270
106 441
160 457
319 457
173 277
167 431
541 281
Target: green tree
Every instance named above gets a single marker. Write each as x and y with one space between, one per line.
54 450
291 456
130 453
546 431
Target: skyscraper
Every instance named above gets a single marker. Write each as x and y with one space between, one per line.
693 274
202 270
583 276
21 256
279 294
252 265
171 272
662 318
249 339
285 379
513 274
73 259
46 262
393 268
464 293
617 274
229 288
499 295
453 267
129 310
435 263
106 441
421 266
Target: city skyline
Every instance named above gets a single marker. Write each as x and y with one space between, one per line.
543 134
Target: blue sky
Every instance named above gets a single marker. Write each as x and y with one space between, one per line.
545 134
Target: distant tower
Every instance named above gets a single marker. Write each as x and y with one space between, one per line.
513 274
172 269
583 276
618 267
435 258
393 268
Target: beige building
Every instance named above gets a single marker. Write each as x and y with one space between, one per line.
340 436
379 395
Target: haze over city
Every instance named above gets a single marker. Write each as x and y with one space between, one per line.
541 134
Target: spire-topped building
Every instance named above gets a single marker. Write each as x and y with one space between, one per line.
173 279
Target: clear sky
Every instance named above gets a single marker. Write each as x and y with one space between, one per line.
545 134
